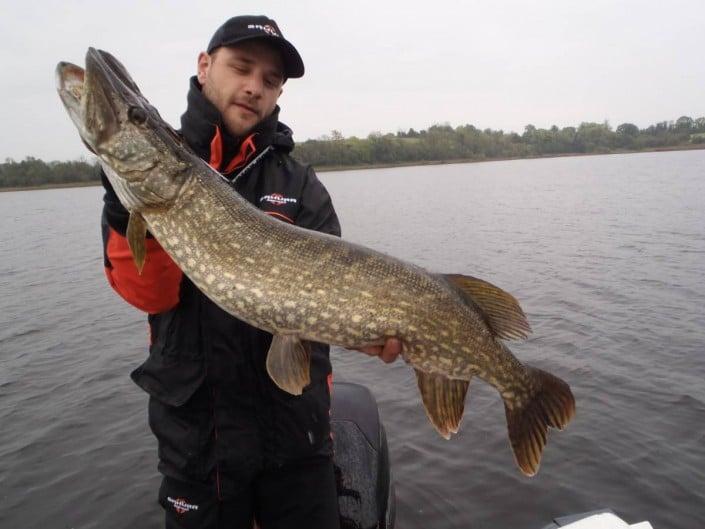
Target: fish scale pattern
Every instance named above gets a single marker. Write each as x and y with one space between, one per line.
288 280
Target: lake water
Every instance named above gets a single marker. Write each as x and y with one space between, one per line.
605 253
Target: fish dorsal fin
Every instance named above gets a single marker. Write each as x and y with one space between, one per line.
501 309
136 233
444 400
288 362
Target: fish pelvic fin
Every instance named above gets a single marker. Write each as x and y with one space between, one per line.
550 405
501 310
444 401
136 234
288 362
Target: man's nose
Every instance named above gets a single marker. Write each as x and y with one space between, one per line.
254 85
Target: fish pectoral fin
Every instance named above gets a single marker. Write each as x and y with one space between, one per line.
501 309
136 234
444 400
288 362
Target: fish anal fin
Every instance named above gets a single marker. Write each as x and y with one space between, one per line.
551 405
501 309
136 234
444 400
288 363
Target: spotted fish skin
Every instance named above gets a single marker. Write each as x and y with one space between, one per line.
302 285
287 280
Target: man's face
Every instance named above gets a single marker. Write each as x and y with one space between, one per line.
243 82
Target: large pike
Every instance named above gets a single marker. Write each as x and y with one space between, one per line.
302 285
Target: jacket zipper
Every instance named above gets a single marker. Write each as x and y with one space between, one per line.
215 435
245 169
206 347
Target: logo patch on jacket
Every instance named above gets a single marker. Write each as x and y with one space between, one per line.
181 505
277 199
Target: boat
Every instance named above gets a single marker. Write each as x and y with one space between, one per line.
599 519
366 497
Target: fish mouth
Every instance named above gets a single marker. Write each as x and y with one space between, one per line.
84 94
70 86
69 83
91 95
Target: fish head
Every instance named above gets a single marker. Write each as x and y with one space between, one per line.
144 158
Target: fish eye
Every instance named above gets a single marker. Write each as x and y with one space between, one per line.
137 115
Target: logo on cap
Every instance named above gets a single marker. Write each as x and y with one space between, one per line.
266 28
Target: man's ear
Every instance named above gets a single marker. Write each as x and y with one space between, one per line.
204 62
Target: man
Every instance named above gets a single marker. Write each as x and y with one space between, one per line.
233 447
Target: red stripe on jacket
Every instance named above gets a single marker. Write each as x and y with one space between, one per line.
157 289
247 149
280 215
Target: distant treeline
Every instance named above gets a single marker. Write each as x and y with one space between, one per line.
439 143
32 172
445 143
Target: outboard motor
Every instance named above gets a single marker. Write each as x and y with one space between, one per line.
365 488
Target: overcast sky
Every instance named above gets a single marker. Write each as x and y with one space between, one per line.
374 66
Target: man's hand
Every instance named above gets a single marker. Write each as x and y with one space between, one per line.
388 353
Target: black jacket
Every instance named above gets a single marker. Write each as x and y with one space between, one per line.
213 407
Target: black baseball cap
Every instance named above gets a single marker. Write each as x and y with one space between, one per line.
243 28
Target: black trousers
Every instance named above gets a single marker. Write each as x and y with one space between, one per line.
290 497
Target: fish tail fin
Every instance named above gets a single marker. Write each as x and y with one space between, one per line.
550 403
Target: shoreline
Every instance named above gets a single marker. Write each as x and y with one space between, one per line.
327 168
332 168
91 183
